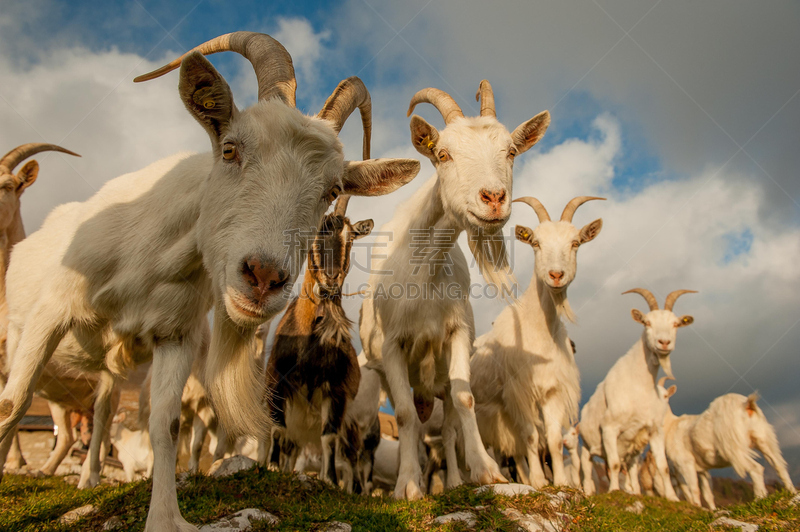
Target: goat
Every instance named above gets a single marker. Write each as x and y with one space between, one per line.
13 231
626 411
726 434
130 274
313 372
524 376
428 346
571 444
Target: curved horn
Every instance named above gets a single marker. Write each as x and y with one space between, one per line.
349 94
439 99
341 205
662 380
647 295
537 206
270 60
573 205
486 97
675 295
11 159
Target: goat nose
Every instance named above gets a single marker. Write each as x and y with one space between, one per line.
493 199
556 276
263 276
664 343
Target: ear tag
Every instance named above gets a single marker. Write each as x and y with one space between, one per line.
209 104
430 145
685 320
204 97
525 235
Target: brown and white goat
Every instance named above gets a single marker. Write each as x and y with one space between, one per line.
313 372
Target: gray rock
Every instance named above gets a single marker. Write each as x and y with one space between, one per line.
228 466
635 508
115 523
337 526
536 523
240 521
464 517
795 500
74 515
727 521
509 490
182 480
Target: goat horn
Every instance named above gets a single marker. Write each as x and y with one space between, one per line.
662 380
486 97
573 205
270 60
537 206
647 295
11 159
443 102
341 205
675 295
349 94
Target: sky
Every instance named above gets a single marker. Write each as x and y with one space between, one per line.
685 115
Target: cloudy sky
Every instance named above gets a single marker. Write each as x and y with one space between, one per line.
683 114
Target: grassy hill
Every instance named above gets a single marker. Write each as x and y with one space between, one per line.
35 505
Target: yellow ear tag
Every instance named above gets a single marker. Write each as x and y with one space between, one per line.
525 235
430 145
685 320
209 104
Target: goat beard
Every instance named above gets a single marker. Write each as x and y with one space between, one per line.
335 325
491 257
563 309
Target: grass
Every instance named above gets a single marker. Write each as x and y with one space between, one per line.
28 505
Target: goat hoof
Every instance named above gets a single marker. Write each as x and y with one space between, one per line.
413 492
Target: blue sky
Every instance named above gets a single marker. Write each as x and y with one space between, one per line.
684 115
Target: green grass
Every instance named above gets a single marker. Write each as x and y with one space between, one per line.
28 505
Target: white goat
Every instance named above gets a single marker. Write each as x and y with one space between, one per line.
12 231
524 376
572 445
131 273
726 434
626 411
423 336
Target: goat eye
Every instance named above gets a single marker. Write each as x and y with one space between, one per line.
444 156
535 243
575 244
333 193
512 152
228 151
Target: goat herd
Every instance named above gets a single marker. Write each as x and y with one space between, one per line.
129 276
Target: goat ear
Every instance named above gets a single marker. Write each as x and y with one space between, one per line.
671 391
362 228
27 175
591 230
424 137
529 133
637 315
376 177
685 320
523 234
206 95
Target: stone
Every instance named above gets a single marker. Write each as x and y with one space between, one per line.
337 526
509 490
240 521
536 523
727 521
463 517
228 466
635 508
115 523
182 480
74 515
795 500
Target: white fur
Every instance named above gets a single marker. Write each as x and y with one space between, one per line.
426 343
726 434
524 376
626 412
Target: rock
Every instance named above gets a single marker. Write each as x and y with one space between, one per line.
635 508
337 526
464 517
228 466
74 515
727 521
115 523
795 500
536 523
182 480
509 490
559 499
240 521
